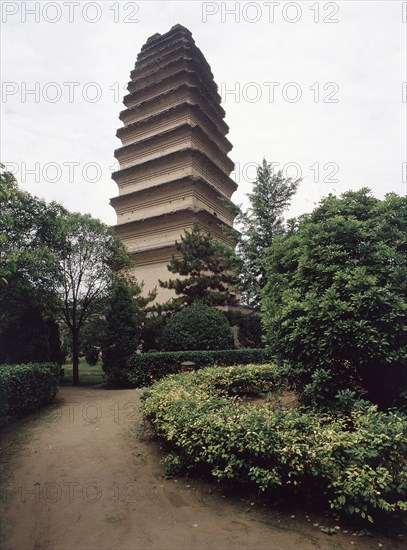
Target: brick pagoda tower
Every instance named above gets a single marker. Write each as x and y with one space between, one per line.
173 163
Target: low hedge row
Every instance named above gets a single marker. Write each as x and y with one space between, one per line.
356 461
144 369
25 388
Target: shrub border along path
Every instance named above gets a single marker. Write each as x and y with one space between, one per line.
146 368
26 388
356 461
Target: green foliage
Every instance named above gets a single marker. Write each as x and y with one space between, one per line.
26 388
52 262
30 236
249 328
197 327
207 269
122 335
29 336
355 461
250 333
259 225
92 355
93 330
146 368
90 256
152 331
335 303
30 239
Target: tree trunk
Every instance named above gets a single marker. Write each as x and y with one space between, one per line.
75 359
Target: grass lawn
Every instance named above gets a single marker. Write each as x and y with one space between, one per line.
88 375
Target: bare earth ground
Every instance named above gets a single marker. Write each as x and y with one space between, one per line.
83 474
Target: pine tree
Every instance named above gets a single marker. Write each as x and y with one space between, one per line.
259 225
207 269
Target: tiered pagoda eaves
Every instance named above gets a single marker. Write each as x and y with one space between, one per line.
174 164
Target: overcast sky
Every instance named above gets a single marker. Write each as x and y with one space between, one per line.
316 87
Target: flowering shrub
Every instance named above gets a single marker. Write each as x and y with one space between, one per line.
357 460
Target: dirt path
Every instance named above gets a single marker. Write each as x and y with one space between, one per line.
83 475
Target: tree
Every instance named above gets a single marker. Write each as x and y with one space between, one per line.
122 333
207 268
197 327
90 256
250 331
30 240
259 225
92 335
335 302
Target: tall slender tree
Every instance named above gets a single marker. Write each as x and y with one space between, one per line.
122 332
259 225
90 257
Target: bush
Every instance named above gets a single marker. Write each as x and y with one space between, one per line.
249 328
152 331
197 327
250 331
143 370
356 461
92 355
335 301
26 388
27 335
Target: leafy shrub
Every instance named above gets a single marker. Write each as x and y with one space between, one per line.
250 331
26 388
152 331
249 328
93 332
197 327
335 301
144 369
356 460
92 355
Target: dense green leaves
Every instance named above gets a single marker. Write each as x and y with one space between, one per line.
30 241
354 460
52 262
144 369
122 332
88 260
250 331
26 388
259 225
30 236
197 327
335 303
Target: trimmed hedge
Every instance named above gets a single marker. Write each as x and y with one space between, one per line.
355 461
197 327
147 368
26 388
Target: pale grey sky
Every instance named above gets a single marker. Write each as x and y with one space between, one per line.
314 86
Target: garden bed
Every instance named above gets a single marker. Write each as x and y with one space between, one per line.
354 461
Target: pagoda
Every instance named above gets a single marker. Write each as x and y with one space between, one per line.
173 163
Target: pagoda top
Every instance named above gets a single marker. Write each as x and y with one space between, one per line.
158 45
159 37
